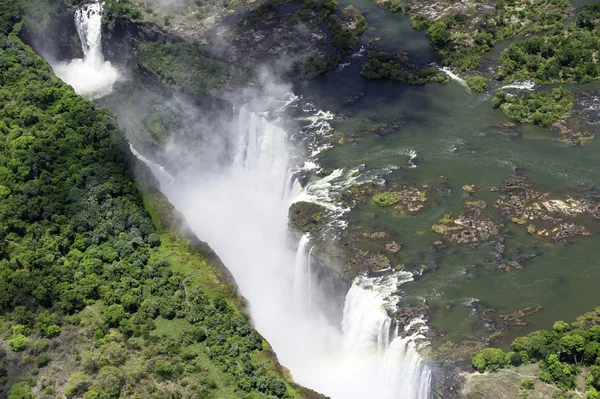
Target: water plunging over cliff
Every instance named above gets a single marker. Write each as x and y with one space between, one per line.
91 76
241 210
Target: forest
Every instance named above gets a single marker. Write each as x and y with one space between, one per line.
93 296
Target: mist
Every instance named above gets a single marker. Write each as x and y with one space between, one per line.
231 175
240 207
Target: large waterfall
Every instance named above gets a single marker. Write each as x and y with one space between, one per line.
91 76
235 193
241 210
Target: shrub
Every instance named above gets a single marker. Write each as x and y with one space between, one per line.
527 383
20 390
77 384
489 359
42 360
18 343
164 370
478 84
386 199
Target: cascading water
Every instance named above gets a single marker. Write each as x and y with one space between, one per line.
303 284
91 76
241 210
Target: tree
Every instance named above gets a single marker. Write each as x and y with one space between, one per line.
572 344
561 326
439 35
114 314
489 359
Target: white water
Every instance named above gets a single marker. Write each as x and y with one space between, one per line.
91 76
524 85
454 76
242 213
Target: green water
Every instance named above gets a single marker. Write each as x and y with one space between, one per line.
456 134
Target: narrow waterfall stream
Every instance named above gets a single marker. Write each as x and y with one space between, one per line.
91 76
241 209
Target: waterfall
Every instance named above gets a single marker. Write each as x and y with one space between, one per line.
241 209
367 330
91 76
301 275
303 284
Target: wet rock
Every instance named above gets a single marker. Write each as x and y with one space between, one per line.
469 188
306 216
516 317
543 214
392 247
471 226
377 262
406 314
380 235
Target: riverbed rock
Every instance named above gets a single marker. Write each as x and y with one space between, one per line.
543 214
392 247
516 318
472 225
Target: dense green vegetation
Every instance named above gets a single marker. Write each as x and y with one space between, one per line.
478 84
562 353
463 38
568 56
114 9
542 108
183 66
314 67
396 66
94 298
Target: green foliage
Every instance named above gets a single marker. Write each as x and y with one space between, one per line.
543 108
42 360
489 359
592 393
10 14
553 370
164 370
567 56
314 67
527 383
561 326
77 384
439 35
463 39
20 390
113 315
77 245
182 65
420 22
18 342
396 66
386 199
478 84
114 9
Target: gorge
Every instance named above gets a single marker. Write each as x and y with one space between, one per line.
434 226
